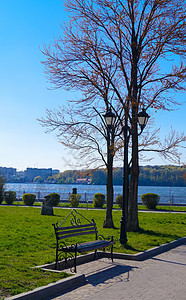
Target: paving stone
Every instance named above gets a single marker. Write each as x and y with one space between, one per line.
160 278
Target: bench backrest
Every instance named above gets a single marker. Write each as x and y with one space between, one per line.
76 230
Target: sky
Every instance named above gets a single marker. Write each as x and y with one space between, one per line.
25 26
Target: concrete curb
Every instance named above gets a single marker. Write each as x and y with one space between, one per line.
160 249
82 259
61 286
149 253
52 289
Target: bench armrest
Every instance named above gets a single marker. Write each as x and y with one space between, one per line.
110 238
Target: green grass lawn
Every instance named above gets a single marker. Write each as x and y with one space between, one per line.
164 208
140 207
27 239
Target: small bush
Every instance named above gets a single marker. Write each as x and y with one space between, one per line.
54 199
119 200
74 200
1 196
10 197
28 199
2 183
98 200
150 200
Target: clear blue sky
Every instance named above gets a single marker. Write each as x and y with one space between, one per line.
25 25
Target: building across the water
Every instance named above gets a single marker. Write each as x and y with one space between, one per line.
83 181
28 175
31 173
7 172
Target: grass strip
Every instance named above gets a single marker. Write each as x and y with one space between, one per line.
115 206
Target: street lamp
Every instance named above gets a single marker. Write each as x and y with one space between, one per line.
110 118
110 134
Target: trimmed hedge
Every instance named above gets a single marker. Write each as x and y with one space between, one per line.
1 196
74 200
54 199
119 200
98 200
2 183
150 200
28 199
10 197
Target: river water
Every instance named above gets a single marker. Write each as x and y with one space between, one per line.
175 195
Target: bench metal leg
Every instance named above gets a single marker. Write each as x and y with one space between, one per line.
112 253
75 258
66 261
95 254
56 257
112 249
75 263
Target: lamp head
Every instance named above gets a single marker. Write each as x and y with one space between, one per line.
143 118
110 118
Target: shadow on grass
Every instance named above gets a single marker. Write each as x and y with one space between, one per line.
157 234
58 216
129 247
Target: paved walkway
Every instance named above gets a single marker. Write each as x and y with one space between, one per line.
162 277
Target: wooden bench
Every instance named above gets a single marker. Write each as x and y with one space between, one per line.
66 249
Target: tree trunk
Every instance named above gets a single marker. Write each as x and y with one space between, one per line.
108 223
132 220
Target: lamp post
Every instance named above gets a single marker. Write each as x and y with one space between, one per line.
110 118
142 120
123 222
110 134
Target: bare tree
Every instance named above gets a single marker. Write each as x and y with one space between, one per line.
85 131
113 49
168 148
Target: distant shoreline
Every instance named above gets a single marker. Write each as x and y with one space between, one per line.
89 184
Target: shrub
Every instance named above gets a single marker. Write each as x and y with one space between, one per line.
28 199
150 200
1 196
74 200
119 200
54 199
2 183
98 200
10 197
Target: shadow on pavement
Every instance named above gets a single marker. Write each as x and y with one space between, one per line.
112 274
168 261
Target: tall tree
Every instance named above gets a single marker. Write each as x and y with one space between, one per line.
135 48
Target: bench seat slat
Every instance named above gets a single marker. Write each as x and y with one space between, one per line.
93 245
76 234
88 246
95 242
